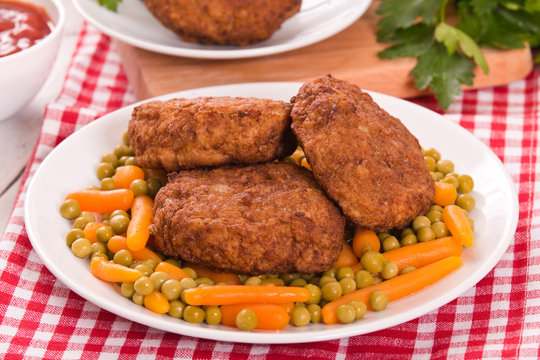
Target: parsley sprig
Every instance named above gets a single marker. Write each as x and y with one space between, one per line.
447 52
110 4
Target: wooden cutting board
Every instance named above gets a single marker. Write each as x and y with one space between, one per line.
350 55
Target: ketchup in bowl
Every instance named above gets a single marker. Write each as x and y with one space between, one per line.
21 26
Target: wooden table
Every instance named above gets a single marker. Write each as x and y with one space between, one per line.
19 134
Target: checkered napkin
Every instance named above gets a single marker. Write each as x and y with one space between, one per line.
499 318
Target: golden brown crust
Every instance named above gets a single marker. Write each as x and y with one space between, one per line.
223 22
265 218
365 159
189 133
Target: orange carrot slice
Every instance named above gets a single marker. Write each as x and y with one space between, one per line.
346 257
242 294
397 287
141 219
110 271
156 302
118 242
269 316
124 176
424 253
458 225
90 231
365 240
173 271
103 201
216 277
445 193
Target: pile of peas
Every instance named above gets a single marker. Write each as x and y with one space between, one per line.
323 287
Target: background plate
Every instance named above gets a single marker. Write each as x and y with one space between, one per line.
71 166
135 25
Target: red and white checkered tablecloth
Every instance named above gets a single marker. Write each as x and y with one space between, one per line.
40 318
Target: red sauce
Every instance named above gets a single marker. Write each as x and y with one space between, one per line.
21 26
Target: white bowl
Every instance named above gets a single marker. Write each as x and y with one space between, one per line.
22 74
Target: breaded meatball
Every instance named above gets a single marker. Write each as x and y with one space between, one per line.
223 22
365 159
190 133
265 218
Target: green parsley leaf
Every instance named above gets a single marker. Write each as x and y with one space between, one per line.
451 37
483 6
443 73
412 41
110 4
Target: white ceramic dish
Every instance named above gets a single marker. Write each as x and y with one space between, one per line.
71 166
135 25
23 73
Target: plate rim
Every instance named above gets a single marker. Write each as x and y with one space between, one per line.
259 337
361 8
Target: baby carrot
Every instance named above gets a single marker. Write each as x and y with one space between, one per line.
365 240
269 316
395 288
110 271
124 176
216 277
173 271
118 242
141 219
156 302
241 294
458 225
90 231
424 253
346 257
445 193
103 201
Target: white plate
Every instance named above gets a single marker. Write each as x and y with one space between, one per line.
71 166
135 25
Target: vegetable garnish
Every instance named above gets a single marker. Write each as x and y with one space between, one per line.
238 294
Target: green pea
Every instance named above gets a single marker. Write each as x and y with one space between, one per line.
143 285
406 232
466 184
107 183
158 278
131 160
344 272
119 224
300 316
389 270
139 187
360 309
434 176
194 314
440 229
70 209
174 262
122 150
246 320
347 285
430 162
425 234
254 280
288 277
213 315
466 202
376 280
104 233
73 235
314 294
171 289
390 243
176 309
298 282
80 222
378 300
123 257
152 263
104 170
419 222
346 314
434 216
191 272
145 269
81 248
127 289
363 279
407 269
409 240
188 283
204 281
122 160
445 166
153 186
125 138
433 153
383 236
452 180
110 158
138 299
436 207
314 313
98 247
119 212
330 272
315 281
277 282
326 279
372 261
101 255
331 291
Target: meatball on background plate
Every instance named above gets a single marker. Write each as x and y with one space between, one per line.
257 219
365 159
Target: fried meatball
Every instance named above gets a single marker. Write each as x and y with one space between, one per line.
223 22
189 133
265 218
365 159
